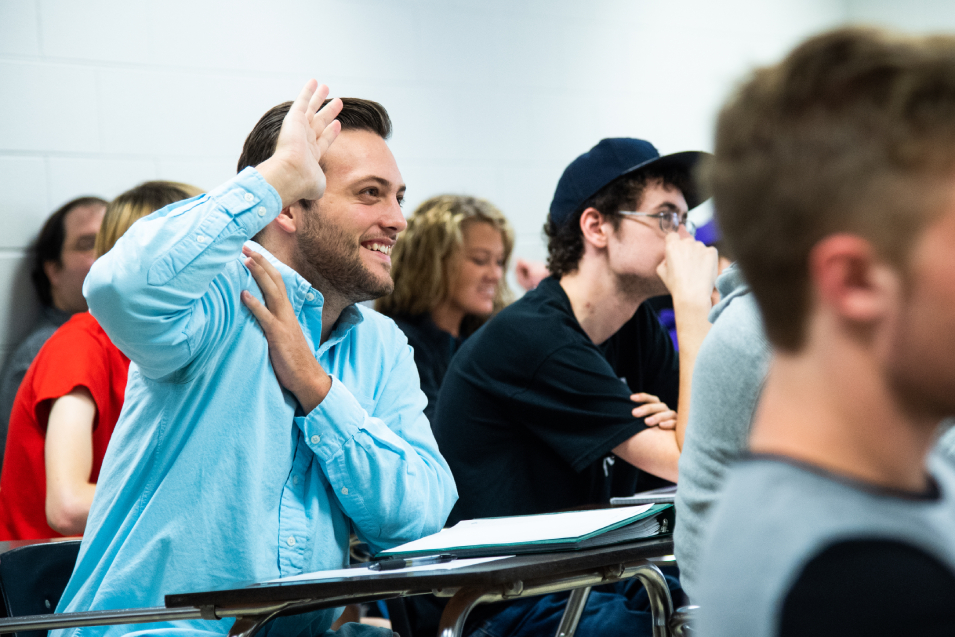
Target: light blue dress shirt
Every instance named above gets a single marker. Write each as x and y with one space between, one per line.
214 477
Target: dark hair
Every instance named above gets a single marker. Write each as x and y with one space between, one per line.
565 242
854 131
48 246
356 114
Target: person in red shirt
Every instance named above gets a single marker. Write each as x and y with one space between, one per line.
68 403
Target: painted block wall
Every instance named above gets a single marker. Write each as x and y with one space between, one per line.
491 98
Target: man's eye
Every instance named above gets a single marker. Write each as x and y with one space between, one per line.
370 191
401 202
84 244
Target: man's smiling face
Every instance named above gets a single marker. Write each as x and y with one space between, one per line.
348 234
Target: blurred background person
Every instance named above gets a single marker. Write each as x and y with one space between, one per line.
530 273
448 267
62 255
69 402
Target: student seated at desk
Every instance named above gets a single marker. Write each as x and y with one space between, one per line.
537 412
834 186
69 402
267 414
449 267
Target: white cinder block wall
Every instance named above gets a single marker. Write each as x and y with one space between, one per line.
488 97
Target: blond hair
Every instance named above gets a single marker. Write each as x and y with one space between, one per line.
422 257
134 204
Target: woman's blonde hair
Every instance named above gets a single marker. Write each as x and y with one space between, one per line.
422 257
134 204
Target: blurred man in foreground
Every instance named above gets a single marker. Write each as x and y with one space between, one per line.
834 182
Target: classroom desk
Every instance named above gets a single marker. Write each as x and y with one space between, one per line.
509 578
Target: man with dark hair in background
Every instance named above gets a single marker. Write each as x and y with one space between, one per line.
225 468
62 255
567 395
834 184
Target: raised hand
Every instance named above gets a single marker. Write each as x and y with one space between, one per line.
292 358
653 412
306 133
688 270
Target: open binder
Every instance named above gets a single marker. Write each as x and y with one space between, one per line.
568 531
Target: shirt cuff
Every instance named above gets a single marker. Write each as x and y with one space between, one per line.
248 191
334 422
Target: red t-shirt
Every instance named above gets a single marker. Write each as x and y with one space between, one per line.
79 354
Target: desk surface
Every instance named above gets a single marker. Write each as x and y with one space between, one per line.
499 572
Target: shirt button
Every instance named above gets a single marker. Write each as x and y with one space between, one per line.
315 439
309 297
294 479
200 238
260 211
344 490
249 196
291 540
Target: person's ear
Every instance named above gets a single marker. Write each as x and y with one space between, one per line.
852 280
290 219
593 227
52 271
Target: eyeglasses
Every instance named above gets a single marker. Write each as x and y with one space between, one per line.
670 220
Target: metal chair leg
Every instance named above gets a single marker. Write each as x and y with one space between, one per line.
458 609
661 604
575 608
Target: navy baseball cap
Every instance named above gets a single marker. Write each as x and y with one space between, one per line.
610 160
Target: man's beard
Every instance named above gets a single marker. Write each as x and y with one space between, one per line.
633 286
328 258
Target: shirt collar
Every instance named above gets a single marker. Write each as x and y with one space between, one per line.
303 295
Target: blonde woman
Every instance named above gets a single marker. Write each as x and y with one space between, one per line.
448 267
69 402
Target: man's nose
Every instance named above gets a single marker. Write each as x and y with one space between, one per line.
683 232
395 218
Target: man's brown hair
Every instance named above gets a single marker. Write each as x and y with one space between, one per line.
853 132
356 114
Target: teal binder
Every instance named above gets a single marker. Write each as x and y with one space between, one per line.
542 533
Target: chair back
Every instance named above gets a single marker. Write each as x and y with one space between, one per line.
33 578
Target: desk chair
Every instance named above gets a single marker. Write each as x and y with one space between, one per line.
33 577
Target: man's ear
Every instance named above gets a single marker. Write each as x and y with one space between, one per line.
851 279
593 228
52 271
290 219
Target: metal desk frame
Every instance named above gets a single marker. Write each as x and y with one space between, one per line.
520 576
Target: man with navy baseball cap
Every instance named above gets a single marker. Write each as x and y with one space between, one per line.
574 393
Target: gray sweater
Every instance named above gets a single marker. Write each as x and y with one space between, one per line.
776 516
727 381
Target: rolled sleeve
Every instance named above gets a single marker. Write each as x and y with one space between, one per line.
153 292
395 488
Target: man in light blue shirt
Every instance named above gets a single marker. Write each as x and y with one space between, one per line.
250 446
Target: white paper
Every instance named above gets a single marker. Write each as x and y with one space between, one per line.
521 529
365 571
